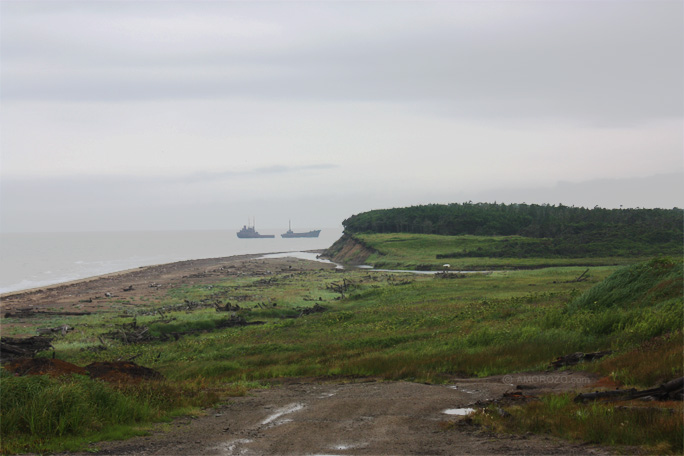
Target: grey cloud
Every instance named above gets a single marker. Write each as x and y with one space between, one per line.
256 172
583 60
67 187
659 191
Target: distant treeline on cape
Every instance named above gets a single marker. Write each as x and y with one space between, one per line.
570 230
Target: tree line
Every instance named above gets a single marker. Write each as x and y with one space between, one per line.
571 229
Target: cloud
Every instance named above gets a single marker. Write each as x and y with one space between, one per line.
660 191
137 110
264 171
69 186
607 62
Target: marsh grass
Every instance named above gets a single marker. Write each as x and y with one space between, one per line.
43 414
657 427
653 362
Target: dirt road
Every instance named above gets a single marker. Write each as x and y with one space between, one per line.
363 418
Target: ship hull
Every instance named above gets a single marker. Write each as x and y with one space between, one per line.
310 234
248 232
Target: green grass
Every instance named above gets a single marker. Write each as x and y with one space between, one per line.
659 428
425 329
424 251
46 414
389 325
652 362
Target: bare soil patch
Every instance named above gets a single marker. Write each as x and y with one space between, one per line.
366 417
121 372
110 371
43 366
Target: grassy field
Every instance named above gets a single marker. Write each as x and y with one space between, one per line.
431 252
394 326
391 325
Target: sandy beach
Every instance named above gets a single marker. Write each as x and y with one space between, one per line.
95 293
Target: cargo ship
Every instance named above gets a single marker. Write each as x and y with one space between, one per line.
292 234
250 232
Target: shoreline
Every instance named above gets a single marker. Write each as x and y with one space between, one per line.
145 281
109 274
40 260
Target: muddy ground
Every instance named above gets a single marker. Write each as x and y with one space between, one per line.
309 416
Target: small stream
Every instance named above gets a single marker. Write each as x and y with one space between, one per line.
312 256
371 268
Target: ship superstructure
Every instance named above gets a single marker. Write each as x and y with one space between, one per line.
250 232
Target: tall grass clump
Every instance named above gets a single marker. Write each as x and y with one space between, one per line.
653 362
657 428
641 284
634 304
40 413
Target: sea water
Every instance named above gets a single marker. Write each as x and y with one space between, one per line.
30 260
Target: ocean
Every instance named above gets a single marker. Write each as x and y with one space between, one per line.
31 260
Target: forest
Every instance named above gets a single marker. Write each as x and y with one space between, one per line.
566 231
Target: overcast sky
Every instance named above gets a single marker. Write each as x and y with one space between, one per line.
197 115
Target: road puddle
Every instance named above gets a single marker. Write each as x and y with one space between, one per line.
459 411
233 447
458 388
283 411
348 446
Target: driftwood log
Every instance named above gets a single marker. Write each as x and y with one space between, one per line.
581 278
317 308
576 358
57 329
237 320
672 390
227 308
12 347
28 312
131 333
340 288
